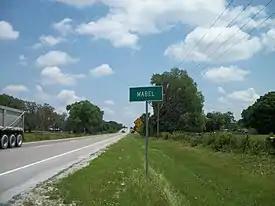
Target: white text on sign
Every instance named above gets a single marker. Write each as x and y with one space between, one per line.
145 94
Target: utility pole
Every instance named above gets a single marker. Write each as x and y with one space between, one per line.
158 121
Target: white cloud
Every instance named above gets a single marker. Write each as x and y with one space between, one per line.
221 50
225 74
53 75
236 101
78 3
66 97
129 19
23 60
59 101
268 39
64 27
108 110
61 110
245 16
109 30
55 58
221 90
40 95
102 70
109 102
48 41
15 88
247 96
7 31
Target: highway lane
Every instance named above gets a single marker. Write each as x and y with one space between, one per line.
43 142
22 168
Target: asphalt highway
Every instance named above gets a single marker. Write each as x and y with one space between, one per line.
23 168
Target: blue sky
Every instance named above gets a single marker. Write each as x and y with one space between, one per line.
61 51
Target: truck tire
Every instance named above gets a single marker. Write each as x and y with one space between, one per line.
19 140
4 141
12 141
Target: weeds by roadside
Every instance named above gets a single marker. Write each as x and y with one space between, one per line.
178 175
225 142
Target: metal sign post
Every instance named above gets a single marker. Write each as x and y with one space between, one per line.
145 94
146 138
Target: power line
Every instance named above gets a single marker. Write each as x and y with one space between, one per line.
239 40
228 25
212 25
244 25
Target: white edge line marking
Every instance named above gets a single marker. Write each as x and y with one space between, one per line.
54 157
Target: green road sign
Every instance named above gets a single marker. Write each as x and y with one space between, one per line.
139 94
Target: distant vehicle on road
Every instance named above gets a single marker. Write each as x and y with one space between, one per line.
123 131
11 127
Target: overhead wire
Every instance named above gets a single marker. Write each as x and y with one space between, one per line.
233 35
227 26
211 26
244 36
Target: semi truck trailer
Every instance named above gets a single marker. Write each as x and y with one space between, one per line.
11 127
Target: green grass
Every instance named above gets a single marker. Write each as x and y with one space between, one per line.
178 175
39 136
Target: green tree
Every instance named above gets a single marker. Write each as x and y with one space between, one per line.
216 121
112 126
60 121
85 117
182 108
10 101
31 116
261 114
46 116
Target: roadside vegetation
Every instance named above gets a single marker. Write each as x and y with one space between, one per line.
39 136
182 110
43 122
226 142
181 117
178 175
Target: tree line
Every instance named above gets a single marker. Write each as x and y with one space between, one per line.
182 109
81 117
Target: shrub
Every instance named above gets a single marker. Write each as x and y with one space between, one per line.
208 139
225 142
244 144
257 147
164 135
195 141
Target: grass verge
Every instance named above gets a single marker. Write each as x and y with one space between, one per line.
178 176
40 136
